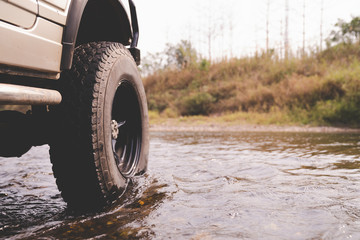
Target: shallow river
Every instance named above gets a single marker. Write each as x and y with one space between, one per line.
203 186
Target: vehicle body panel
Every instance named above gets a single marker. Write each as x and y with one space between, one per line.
61 4
32 41
33 36
56 11
21 13
38 48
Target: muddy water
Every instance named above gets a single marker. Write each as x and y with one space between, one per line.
203 186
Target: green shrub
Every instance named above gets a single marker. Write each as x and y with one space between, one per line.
169 113
337 112
204 65
157 103
197 104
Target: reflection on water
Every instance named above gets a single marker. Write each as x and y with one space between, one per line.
203 186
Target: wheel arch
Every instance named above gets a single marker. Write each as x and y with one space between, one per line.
94 20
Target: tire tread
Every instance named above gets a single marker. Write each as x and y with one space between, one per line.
74 150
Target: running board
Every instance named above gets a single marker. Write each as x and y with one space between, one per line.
22 95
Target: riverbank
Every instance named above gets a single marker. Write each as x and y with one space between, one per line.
320 89
207 124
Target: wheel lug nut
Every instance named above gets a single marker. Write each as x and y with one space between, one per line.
114 129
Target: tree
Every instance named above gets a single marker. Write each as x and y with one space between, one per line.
151 63
347 32
181 55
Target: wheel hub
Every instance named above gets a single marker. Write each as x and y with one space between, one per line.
114 129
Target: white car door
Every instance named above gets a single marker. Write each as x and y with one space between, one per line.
21 13
55 10
31 36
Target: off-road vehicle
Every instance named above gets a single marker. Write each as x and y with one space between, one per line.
75 63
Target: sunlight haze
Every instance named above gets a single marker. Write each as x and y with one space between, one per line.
238 27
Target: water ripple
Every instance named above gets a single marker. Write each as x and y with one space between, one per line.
203 186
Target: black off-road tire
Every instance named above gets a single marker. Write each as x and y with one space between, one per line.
101 135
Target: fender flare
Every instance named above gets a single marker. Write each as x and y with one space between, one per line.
73 21
70 31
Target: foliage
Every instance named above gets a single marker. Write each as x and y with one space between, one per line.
179 56
196 104
347 32
340 112
152 63
204 65
322 88
319 88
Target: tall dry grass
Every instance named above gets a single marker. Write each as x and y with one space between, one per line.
322 88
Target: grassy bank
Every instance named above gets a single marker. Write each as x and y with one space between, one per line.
237 122
319 89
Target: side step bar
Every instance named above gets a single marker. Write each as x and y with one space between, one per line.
22 95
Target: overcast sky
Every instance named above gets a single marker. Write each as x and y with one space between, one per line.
238 26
